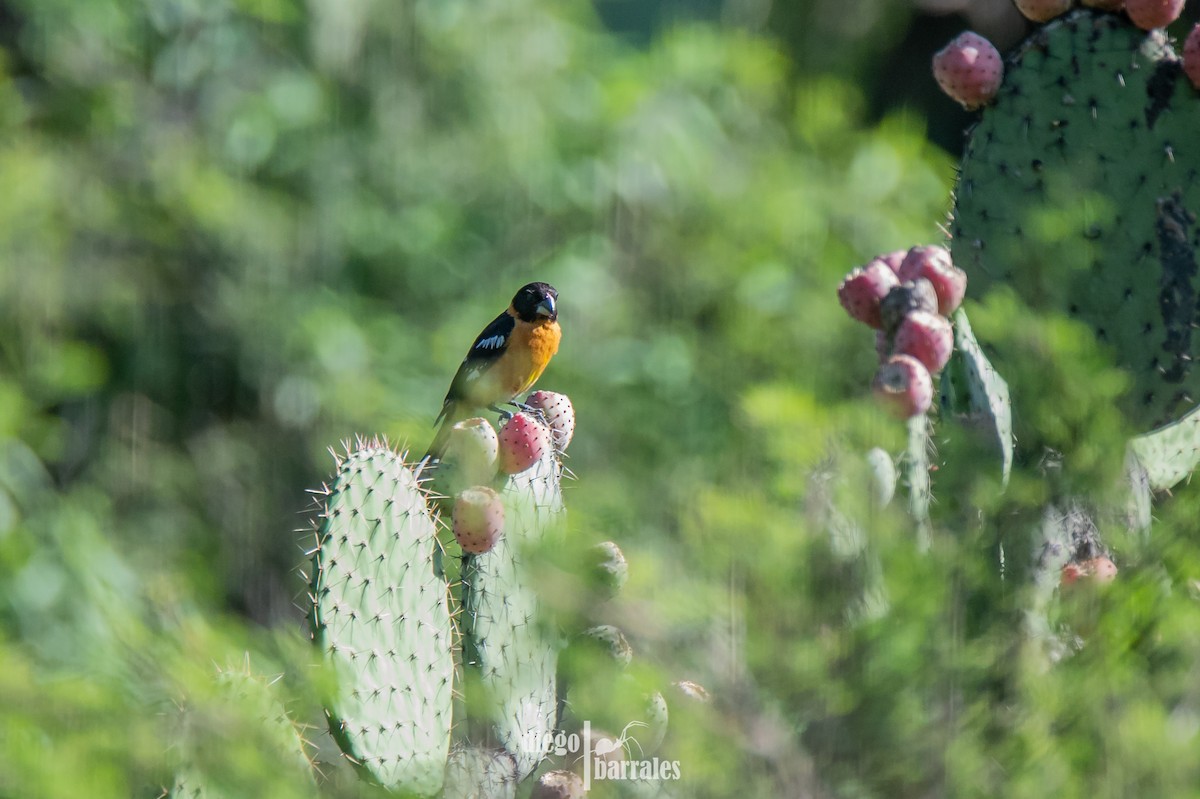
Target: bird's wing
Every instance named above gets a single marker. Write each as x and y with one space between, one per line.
488 347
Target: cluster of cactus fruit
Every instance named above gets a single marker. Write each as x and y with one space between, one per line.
907 297
475 453
1094 119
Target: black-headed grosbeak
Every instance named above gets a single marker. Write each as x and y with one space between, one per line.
505 361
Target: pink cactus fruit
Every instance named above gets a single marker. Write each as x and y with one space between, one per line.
969 69
893 259
523 441
473 448
478 519
1100 570
904 387
927 337
863 289
933 263
1151 14
1191 56
559 414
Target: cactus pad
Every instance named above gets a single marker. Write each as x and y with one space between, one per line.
1171 454
473 773
381 615
974 390
509 650
1079 189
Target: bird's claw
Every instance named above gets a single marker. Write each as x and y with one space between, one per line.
537 413
521 408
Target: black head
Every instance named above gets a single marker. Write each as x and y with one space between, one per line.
536 301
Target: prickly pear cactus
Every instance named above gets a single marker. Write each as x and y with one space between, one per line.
381 614
1079 189
510 651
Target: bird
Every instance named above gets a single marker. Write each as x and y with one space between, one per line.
507 358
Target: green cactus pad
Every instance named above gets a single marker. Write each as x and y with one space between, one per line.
974 391
1170 455
381 615
1137 489
476 773
509 652
1079 189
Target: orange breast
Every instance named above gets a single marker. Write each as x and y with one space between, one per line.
529 351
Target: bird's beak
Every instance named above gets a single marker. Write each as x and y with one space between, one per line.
547 308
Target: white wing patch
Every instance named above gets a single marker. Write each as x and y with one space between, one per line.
491 343
472 371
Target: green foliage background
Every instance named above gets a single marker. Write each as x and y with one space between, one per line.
235 233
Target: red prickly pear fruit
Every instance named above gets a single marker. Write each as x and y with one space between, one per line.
934 264
1102 569
559 414
893 259
883 345
478 519
1071 574
969 69
863 289
1104 5
927 337
909 297
523 441
558 785
1151 14
918 260
1191 56
904 386
1043 10
473 448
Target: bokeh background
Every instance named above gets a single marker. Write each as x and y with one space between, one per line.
234 233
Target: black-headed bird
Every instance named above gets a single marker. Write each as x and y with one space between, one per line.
505 361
